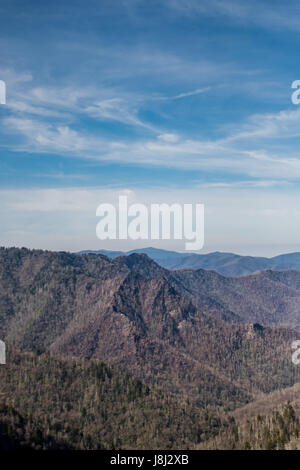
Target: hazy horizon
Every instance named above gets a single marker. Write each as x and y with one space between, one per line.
144 247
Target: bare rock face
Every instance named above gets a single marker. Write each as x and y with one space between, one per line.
2 353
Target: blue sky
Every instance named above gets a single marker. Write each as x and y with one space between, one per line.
171 101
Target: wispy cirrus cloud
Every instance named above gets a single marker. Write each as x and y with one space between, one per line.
186 94
117 109
42 137
235 153
69 103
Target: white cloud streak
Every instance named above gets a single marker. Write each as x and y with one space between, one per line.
241 151
44 120
198 91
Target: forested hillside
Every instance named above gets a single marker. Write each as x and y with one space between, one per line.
55 403
132 313
272 422
182 337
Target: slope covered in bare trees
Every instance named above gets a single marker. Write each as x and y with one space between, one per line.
158 325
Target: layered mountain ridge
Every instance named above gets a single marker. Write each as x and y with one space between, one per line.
187 331
228 264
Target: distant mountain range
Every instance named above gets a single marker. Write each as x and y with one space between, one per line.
228 264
